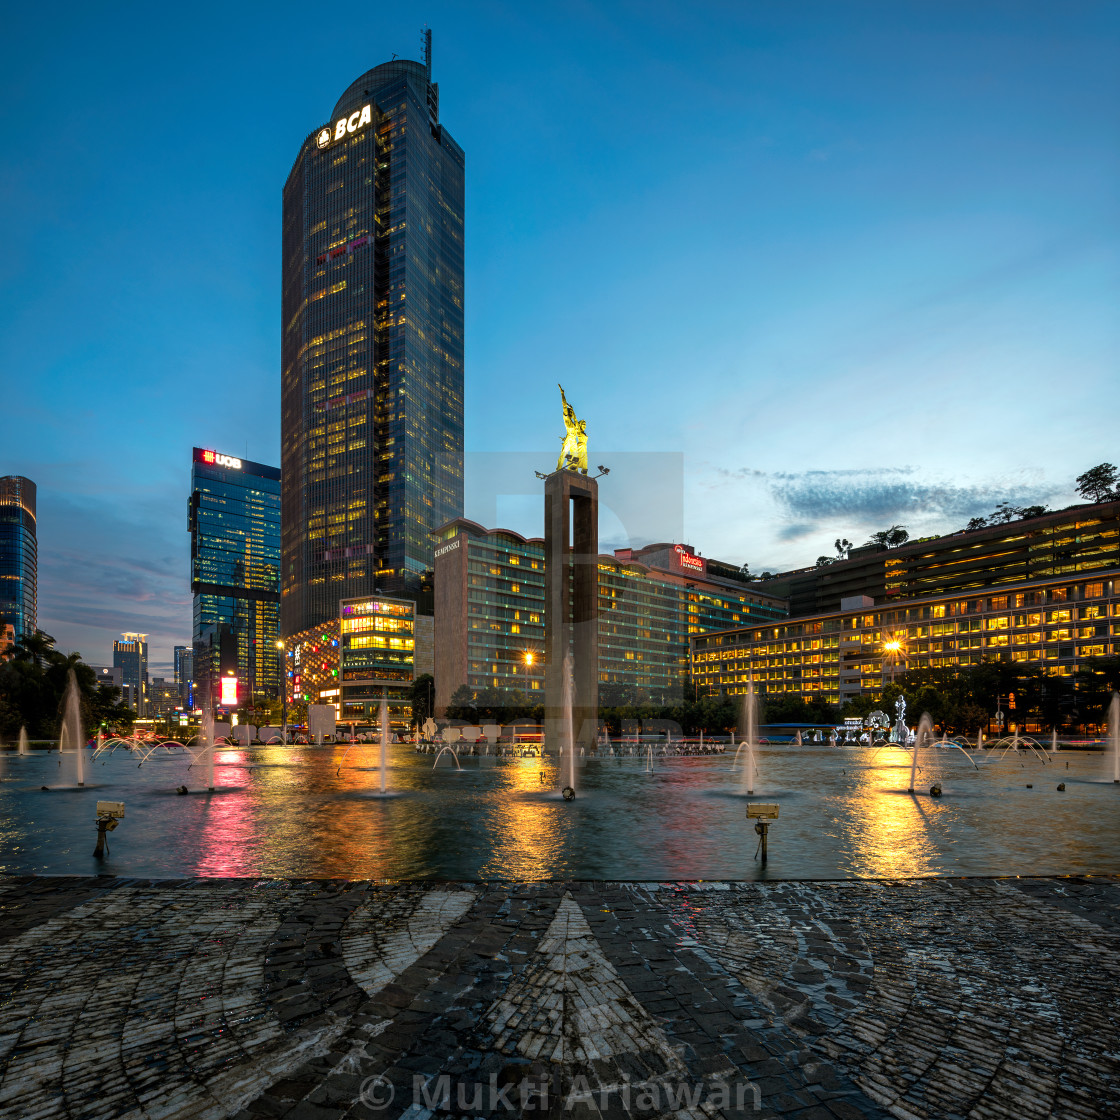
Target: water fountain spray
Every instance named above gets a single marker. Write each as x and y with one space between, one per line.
24 749
384 739
925 730
567 733
206 742
748 729
1114 729
72 727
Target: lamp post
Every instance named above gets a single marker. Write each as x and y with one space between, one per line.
283 693
893 647
527 661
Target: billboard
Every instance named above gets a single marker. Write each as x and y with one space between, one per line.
229 692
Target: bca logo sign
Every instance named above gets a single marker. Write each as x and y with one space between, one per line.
357 119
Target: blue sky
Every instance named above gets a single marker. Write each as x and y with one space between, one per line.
842 264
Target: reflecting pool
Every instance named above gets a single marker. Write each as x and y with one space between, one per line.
308 812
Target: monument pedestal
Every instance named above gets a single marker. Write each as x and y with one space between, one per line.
571 591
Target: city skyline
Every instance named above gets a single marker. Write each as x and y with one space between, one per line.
878 254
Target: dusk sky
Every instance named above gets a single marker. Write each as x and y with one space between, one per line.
837 265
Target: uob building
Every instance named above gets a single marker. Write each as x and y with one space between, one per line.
372 345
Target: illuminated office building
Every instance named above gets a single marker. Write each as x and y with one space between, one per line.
371 345
130 656
184 675
234 522
376 658
1055 624
490 614
19 555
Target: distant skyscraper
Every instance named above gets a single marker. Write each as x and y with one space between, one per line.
235 572
19 555
371 345
130 655
184 674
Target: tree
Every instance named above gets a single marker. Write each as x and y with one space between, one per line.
421 694
824 561
796 709
462 704
977 523
890 538
842 546
33 683
1099 484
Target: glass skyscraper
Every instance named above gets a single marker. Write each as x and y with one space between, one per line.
371 345
19 555
234 521
130 656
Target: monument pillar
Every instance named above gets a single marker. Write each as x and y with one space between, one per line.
571 595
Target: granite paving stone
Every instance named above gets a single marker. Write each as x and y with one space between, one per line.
920 999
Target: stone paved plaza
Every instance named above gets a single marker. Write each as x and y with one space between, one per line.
311 1000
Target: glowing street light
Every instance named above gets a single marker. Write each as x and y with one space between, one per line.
283 692
895 648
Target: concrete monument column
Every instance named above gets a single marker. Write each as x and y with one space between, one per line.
571 594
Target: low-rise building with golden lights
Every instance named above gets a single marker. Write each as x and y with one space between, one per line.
1057 624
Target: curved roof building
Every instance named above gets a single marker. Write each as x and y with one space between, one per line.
371 346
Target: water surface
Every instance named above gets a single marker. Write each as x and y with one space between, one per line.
844 814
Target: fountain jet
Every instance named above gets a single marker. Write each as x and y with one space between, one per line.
1114 736
748 731
925 731
567 731
206 742
71 732
384 739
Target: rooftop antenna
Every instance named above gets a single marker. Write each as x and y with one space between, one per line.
426 50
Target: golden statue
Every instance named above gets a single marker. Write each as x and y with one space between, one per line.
573 452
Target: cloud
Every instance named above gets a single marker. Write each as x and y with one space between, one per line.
879 497
107 565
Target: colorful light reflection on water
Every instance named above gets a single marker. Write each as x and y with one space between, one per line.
311 812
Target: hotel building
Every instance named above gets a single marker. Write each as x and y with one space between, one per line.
838 655
490 614
371 345
1068 542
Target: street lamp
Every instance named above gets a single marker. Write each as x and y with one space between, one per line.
283 693
527 661
894 647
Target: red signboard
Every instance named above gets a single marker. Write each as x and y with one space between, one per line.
689 561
